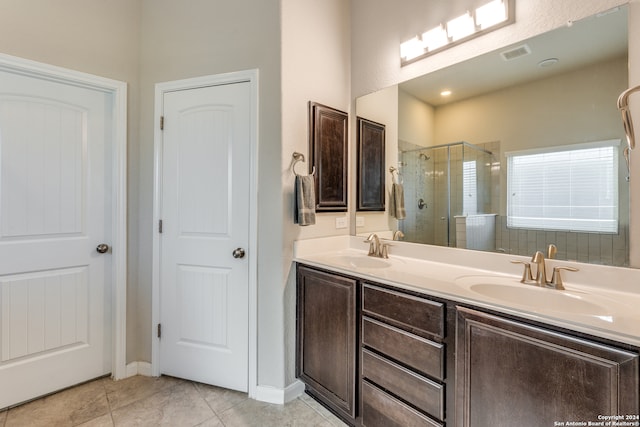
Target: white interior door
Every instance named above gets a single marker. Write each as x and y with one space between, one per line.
206 149
54 210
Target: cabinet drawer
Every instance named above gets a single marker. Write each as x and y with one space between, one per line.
383 410
419 391
417 315
414 351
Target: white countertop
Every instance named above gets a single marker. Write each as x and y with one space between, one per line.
608 298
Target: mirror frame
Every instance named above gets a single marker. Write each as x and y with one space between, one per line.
371 165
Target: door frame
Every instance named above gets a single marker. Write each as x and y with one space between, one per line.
118 90
246 76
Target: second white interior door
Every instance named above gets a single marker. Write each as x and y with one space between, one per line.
204 278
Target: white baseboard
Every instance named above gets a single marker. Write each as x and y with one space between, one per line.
278 395
263 393
139 368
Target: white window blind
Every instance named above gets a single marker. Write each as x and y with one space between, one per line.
572 188
469 188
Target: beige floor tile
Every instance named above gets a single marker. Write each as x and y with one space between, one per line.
251 413
145 401
220 399
212 422
179 405
332 419
66 408
124 392
103 421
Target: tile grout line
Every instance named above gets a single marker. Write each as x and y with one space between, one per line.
198 391
106 395
330 420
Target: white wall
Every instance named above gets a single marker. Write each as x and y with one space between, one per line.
514 115
315 67
415 121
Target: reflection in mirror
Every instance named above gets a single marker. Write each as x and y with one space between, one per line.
553 93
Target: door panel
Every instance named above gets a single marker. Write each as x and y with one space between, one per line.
54 211
44 311
205 212
202 297
43 147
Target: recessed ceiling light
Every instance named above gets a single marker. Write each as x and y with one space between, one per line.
549 62
445 93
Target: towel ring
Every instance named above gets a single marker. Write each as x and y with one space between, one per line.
299 157
396 177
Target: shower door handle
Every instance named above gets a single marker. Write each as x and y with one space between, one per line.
421 204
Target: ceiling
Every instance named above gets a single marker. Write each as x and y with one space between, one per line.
584 42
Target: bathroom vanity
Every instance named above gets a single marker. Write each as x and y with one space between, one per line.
381 344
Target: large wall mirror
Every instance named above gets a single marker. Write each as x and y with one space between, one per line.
525 130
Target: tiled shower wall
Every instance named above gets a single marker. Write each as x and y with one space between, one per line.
426 177
594 248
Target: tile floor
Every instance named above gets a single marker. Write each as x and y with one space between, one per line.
164 401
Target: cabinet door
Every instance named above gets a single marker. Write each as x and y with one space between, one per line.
517 374
326 337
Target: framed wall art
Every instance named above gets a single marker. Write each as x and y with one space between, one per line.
328 148
371 165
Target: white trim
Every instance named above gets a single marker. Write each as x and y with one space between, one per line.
118 90
139 368
568 147
278 395
250 76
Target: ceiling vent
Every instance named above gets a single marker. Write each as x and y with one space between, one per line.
516 52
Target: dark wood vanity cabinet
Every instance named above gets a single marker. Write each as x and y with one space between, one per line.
513 373
381 356
402 358
327 339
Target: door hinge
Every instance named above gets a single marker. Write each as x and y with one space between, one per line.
159 330
160 226
161 122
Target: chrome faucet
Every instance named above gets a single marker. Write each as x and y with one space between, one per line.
398 235
377 249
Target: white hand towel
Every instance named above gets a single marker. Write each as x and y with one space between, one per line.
305 200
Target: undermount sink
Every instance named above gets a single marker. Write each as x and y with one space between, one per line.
361 261
512 291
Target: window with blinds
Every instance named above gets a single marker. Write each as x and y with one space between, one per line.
469 188
569 188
